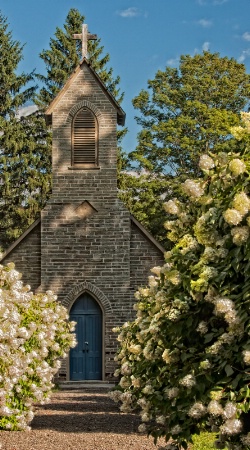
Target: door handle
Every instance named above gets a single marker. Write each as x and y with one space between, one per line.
83 350
86 343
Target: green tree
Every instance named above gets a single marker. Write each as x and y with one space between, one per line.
64 55
144 194
185 358
25 171
188 111
23 148
183 113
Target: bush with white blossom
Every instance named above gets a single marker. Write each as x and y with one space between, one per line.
34 333
185 360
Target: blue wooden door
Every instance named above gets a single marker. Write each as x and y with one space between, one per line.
86 357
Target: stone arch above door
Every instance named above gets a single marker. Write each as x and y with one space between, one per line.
93 290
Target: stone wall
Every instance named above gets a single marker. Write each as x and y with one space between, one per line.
143 256
26 255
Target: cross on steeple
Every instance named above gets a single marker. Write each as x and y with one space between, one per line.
85 37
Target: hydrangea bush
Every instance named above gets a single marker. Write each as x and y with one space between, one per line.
34 333
185 360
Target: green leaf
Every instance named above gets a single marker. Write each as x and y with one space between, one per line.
228 369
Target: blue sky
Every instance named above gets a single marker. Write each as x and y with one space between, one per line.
141 36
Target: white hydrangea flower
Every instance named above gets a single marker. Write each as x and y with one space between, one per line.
187 243
193 188
156 270
210 254
245 439
174 277
237 166
136 382
170 225
148 389
223 305
232 216
166 356
215 348
215 408
188 381
176 430
241 202
230 410
145 417
202 327
246 357
205 364
126 369
145 292
144 404
152 282
135 349
142 428
124 382
172 392
240 235
231 427
171 207
197 410
161 420
238 132
126 397
226 307
206 162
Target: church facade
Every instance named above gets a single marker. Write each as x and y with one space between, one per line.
86 247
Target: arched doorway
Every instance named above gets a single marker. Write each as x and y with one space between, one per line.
86 357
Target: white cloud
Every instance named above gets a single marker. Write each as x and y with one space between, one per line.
206 46
244 55
205 23
219 2
173 62
26 110
211 2
129 12
246 36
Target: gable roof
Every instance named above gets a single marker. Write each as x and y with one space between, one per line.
147 234
15 243
120 113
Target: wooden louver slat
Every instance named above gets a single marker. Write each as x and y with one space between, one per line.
84 138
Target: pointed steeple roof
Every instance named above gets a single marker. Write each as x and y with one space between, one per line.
120 113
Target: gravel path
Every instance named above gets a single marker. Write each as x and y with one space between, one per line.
86 420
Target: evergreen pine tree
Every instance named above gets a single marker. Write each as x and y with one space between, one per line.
24 185
65 54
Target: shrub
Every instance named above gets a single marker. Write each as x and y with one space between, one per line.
203 441
185 359
34 333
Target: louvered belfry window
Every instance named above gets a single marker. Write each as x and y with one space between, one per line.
84 139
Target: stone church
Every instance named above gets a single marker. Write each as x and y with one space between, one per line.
86 247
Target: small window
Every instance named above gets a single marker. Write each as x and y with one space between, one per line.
84 139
